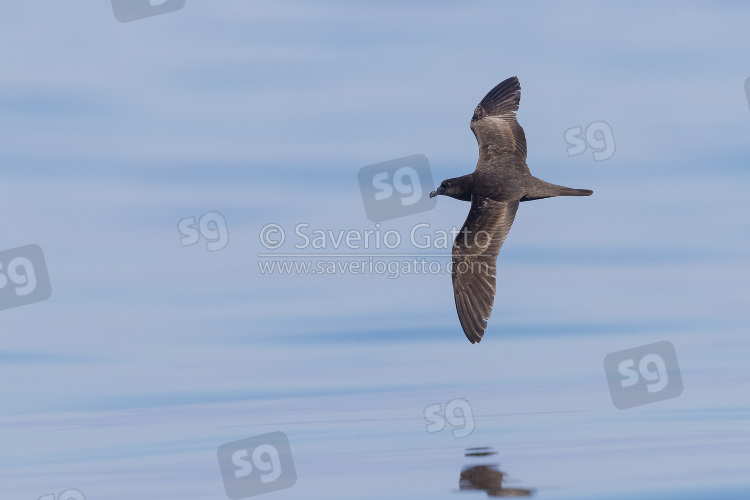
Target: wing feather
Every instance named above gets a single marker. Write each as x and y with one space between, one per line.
475 253
495 126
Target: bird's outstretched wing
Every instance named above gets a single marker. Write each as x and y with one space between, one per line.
494 123
475 261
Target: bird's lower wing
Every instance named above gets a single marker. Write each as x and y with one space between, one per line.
475 262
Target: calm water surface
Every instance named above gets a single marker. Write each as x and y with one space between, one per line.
547 420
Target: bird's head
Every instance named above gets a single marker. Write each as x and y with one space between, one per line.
458 187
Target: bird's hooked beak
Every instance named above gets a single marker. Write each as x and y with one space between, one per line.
438 191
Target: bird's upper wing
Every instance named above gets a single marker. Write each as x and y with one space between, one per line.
494 123
475 261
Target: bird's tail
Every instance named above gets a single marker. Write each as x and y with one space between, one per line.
541 189
566 191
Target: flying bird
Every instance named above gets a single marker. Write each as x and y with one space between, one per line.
499 183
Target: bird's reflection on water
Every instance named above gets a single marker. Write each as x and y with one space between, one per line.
487 477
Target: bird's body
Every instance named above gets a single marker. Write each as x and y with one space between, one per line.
499 183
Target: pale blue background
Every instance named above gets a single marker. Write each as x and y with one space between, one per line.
148 355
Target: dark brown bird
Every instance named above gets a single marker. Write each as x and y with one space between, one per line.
489 478
499 183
